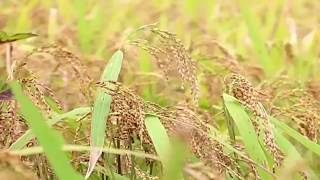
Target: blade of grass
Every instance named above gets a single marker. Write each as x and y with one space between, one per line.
310 145
258 42
239 153
247 132
101 110
283 143
158 134
230 125
50 140
175 161
5 38
288 149
29 135
23 22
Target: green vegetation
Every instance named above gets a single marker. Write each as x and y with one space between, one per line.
155 89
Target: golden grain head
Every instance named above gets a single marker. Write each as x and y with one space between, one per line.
127 120
243 90
172 57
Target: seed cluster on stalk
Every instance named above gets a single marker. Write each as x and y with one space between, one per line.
243 90
171 57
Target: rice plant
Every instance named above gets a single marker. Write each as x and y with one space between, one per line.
197 90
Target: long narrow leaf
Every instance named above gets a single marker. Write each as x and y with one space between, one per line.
28 135
50 140
5 38
310 145
247 132
258 42
158 136
101 110
287 148
172 162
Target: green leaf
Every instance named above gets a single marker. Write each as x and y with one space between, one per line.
170 156
3 35
101 110
21 36
284 144
247 132
292 155
158 135
175 162
49 139
29 135
257 40
310 145
5 38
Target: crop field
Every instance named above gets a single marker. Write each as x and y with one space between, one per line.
159 89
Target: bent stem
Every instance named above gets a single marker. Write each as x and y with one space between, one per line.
80 148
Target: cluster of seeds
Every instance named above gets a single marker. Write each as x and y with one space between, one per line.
242 89
308 125
11 125
305 113
14 126
128 110
127 113
36 90
68 66
223 57
171 56
301 107
12 168
127 120
253 173
182 121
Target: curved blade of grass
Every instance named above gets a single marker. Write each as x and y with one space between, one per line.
292 155
247 132
28 135
167 154
310 145
258 42
175 161
49 139
158 135
286 146
101 110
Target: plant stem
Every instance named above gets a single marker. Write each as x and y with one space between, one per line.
8 61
